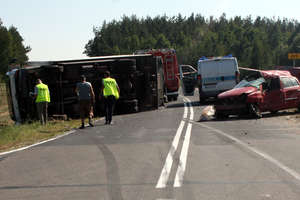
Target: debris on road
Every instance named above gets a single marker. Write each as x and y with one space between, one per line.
207 113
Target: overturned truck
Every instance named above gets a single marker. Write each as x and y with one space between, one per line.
140 78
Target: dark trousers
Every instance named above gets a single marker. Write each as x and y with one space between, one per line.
110 102
42 110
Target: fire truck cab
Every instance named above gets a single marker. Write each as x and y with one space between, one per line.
171 70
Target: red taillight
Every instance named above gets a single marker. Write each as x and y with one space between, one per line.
237 77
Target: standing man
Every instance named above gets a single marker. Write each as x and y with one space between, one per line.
86 97
42 95
111 93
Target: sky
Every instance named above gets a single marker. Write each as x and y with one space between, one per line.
60 29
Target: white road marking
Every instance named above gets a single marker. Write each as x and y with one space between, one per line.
165 173
39 143
166 170
185 111
290 171
183 157
192 111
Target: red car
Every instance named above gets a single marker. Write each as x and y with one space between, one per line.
274 90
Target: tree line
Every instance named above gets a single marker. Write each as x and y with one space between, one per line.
256 42
12 50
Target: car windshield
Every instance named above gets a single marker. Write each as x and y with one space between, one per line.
255 83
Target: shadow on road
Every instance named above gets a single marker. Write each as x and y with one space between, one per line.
179 105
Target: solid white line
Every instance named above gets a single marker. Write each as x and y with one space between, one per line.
191 108
30 146
183 157
192 111
185 111
290 171
165 173
166 170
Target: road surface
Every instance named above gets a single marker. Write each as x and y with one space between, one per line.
163 154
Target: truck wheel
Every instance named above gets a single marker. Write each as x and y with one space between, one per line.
255 111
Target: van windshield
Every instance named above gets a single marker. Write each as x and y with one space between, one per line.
255 83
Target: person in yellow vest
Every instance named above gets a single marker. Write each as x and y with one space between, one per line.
42 98
111 93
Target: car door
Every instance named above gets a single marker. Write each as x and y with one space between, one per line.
273 96
290 91
188 77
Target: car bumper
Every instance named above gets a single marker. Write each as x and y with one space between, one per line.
231 109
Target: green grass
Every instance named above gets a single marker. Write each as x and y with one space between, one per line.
4 114
16 136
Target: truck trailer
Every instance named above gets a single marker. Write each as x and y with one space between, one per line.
140 78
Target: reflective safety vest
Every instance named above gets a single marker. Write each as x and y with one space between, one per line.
43 94
110 87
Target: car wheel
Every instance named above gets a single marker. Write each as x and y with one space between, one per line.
255 111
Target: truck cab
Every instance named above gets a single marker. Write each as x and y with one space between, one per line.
171 70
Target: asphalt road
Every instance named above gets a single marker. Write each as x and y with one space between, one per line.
162 155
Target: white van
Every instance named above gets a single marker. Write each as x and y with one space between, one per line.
216 75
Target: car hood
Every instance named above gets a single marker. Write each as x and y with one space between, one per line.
237 92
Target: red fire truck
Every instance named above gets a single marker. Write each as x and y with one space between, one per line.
171 70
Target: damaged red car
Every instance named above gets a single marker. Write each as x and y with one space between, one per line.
272 91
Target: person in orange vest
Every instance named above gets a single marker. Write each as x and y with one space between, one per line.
111 93
42 98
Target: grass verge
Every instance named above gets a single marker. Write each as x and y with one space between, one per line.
13 136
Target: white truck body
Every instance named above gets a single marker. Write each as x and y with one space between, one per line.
216 75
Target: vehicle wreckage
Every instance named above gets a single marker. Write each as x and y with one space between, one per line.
140 78
268 90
